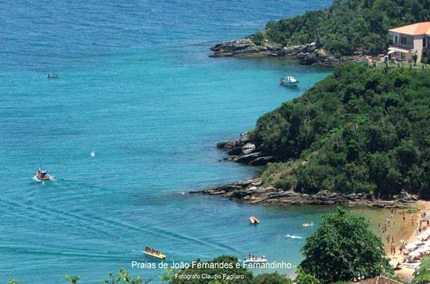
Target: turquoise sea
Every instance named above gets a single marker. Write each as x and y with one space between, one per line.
136 87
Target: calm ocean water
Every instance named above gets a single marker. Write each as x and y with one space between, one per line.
137 88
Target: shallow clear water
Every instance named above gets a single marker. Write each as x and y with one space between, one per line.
137 88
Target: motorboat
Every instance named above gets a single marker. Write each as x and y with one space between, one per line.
43 175
289 81
154 253
53 76
308 224
253 259
254 220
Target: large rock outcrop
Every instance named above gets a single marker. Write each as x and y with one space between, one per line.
307 54
254 192
246 152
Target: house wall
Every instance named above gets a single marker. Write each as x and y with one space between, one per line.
418 47
403 41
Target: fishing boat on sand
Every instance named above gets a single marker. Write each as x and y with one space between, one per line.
289 81
254 220
155 253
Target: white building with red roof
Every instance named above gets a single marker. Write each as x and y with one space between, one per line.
409 39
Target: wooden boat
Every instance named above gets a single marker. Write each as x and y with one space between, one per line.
254 220
154 253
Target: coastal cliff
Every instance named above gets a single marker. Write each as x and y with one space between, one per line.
307 54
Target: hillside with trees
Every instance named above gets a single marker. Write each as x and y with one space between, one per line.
361 130
347 26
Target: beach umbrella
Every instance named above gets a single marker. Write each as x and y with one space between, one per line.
410 246
417 243
415 253
423 249
423 236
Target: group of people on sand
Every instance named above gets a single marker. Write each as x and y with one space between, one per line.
405 251
152 251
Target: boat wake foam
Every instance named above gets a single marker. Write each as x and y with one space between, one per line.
293 236
41 181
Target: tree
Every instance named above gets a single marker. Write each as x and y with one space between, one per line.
422 273
344 249
72 279
415 57
305 278
271 278
123 277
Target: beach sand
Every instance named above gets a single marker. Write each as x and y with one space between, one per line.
410 234
397 227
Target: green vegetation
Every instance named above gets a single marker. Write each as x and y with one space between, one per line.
73 279
361 130
271 278
305 278
123 277
343 249
349 25
422 273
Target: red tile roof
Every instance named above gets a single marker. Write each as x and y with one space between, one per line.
414 29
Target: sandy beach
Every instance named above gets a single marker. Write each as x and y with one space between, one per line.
409 233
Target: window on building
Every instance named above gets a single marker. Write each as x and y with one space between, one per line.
395 39
403 40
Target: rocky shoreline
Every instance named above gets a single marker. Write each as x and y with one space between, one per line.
254 192
245 151
308 54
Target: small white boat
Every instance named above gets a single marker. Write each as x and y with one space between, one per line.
42 175
254 259
254 220
289 81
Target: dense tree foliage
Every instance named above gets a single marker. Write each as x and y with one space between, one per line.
344 249
349 25
422 273
360 130
271 278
